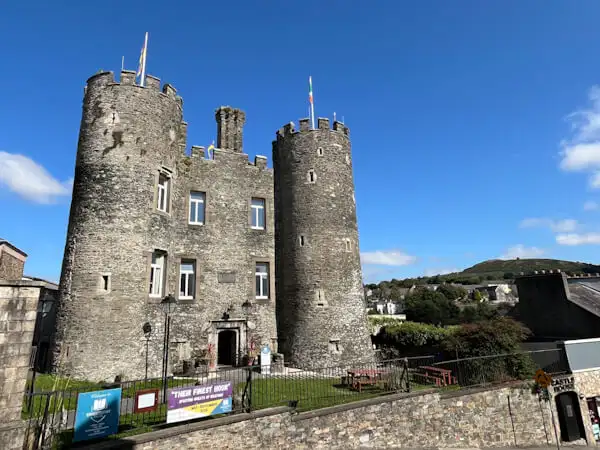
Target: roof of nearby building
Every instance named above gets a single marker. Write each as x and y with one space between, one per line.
15 248
29 277
585 293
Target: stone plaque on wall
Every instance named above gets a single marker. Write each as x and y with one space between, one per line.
226 277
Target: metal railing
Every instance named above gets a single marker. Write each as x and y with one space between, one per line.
51 415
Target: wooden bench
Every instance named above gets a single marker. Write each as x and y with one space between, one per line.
357 378
444 375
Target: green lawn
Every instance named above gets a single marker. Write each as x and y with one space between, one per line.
48 383
310 393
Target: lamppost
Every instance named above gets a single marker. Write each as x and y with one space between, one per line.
247 309
147 329
168 306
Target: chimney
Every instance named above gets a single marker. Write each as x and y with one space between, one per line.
230 127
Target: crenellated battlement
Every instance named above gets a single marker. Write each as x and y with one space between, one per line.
305 126
102 80
199 156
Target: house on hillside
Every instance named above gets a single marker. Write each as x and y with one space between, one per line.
555 306
498 293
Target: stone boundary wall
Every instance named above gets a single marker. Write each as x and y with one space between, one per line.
18 306
475 418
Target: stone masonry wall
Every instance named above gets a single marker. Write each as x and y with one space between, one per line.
434 420
11 268
18 305
322 316
129 136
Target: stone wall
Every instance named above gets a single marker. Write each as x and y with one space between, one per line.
12 263
319 275
504 417
129 137
18 304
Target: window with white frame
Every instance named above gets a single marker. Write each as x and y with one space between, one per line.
262 280
197 202
157 273
258 213
187 279
163 192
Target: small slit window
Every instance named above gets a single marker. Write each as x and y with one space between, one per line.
302 240
312 176
334 346
320 151
348 245
104 283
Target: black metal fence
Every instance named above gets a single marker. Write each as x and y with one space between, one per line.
51 415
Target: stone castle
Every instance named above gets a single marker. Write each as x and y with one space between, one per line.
252 255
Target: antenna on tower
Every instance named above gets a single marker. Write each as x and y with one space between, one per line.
122 63
334 116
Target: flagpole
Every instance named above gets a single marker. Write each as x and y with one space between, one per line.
312 103
142 81
122 63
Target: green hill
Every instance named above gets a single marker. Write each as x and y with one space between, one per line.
500 267
494 269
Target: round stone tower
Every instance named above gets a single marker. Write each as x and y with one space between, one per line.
129 138
321 314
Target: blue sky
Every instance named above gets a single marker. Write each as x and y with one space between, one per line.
475 125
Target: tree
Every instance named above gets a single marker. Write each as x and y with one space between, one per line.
477 296
431 307
490 351
479 312
452 292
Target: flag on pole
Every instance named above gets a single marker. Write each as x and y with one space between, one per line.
142 63
311 100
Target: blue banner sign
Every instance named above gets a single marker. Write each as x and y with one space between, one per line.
97 414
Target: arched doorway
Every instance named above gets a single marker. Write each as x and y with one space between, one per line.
569 417
227 348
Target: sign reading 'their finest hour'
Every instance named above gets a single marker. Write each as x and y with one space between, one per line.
193 402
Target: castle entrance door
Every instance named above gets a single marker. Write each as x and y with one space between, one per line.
227 348
569 417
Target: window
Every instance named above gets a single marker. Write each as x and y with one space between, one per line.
262 280
320 151
258 213
348 245
162 194
197 201
302 240
334 346
104 284
187 279
157 274
312 176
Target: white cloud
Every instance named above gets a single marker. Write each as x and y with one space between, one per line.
582 151
590 206
520 251
433 272
387 258
557 226
27 178
578 239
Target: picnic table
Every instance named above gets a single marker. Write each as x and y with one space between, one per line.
359 377
441 377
